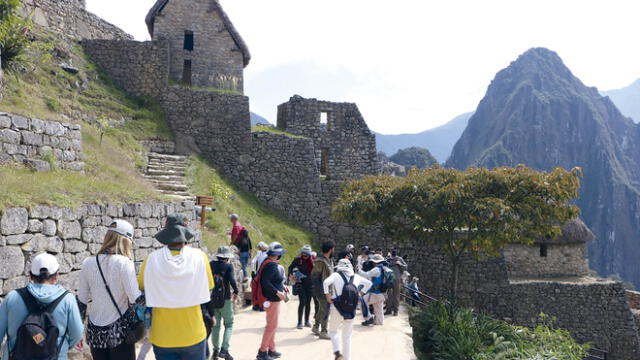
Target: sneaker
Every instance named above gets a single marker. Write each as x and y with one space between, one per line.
263 355
338 355
308 324
368 322
315 331
215 355
274 354
395 313
299 326
388 312
324 336
224 354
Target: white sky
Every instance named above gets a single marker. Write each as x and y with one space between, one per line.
411 65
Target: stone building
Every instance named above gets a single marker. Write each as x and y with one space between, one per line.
345 147
206 50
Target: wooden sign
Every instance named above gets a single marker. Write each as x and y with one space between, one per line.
204 200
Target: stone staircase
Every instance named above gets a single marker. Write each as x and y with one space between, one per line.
167 173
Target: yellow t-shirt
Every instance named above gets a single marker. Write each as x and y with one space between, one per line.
177 327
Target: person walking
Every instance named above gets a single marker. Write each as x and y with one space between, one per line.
322 269
177 280
257 261
26 304
353 257
375 297
240 239
271 293
362 258
107 289
399 266
347 287
222 301
300 270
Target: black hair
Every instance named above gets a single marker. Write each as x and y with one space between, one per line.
44 276
343 255
365 249
328 246
394 252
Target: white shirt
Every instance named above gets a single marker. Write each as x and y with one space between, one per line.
120 274
373 273
258 260
338 283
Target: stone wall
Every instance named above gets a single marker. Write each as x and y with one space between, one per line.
30 140
561 260
141 68
70 18
159 146
73 235
348 145
215 59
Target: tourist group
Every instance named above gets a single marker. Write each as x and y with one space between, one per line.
179 299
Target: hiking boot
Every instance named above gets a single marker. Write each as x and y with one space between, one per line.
224 354
263 355
388 312
368 322
274 354
324 336
315 331
308 324
255 308
299 326
215 355
338 355
395 313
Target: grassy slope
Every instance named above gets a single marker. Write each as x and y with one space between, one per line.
262 223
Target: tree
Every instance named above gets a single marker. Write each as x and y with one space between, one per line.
414 156
475 212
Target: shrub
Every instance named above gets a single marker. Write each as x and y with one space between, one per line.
447 332
14 41
53 104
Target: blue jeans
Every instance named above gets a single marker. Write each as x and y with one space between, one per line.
195 352
244 260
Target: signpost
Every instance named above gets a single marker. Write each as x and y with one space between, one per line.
204 201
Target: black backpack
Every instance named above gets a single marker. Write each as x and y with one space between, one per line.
348 300
217 294
388 279
244 240
37 336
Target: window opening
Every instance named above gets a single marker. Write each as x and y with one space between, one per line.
324 120
324 162
188 40
186 72
543 250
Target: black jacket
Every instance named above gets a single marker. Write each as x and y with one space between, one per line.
271 281
226 270
304 268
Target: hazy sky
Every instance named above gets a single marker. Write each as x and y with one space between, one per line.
411 65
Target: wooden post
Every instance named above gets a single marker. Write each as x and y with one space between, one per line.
203 201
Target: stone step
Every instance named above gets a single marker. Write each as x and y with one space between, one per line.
167 165
170 186
178 171
177 178
167 157
167 172
176 193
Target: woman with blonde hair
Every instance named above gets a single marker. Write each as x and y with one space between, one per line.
108 286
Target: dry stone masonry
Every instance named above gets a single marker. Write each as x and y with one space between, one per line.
32 141
74 234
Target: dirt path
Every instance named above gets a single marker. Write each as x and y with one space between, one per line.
391 341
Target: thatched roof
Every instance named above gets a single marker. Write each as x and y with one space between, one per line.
573 231
215 6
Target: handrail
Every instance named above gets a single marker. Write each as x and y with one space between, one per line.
420 293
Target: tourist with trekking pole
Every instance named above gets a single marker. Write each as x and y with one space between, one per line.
50 307
225 292
177 282
300 271
322 269
108 288
268 291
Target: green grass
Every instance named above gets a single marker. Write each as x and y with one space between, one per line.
46 91
263 223
273 130
205 88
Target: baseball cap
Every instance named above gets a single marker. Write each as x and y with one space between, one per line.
275 248
44 261
121 227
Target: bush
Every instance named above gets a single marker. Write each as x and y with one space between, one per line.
14 41
446 332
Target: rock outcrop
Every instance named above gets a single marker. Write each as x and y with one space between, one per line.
536 112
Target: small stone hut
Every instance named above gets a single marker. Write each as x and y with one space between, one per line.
205 48
562 257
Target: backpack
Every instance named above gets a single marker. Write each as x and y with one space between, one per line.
388 279
37 336
257 297
243 240
347 302
217 294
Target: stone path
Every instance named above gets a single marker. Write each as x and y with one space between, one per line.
391 341
167 173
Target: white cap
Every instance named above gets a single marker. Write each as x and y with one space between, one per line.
234 217
44 261
121 227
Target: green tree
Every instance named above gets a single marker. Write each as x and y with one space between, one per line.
475 212
414 156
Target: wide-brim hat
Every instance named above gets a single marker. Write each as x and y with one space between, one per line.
275 248
306 250
377 258
224 252
174 232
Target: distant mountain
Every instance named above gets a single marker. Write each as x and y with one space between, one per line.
257 119
414 156
438 140
627 100
536 112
